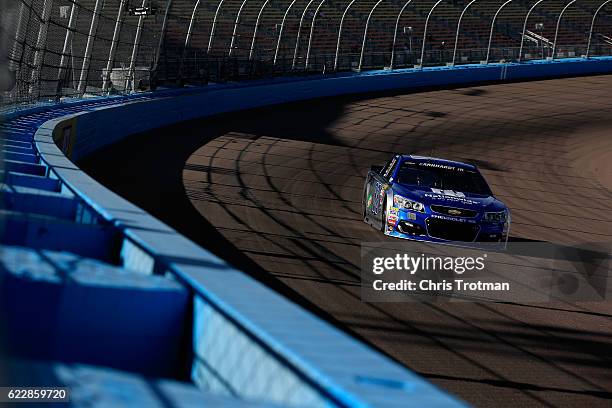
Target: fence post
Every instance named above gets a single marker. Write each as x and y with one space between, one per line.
162 39
113 48
40 45
493 27
256 27
425 32
592 25
314 18
399 16
74 11
214 25
557 29
280 31
131 73
340 34
525 29
231 48
458 28
297 41
365 33
89 48
187 40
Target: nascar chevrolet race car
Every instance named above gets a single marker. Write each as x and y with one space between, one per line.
429 199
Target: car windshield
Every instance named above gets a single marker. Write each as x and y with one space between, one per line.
441 176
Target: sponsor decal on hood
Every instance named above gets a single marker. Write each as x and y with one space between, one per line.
451 196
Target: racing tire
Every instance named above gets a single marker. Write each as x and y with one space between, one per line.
383 225
364 201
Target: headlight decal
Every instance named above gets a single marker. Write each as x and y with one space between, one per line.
495 217
403 202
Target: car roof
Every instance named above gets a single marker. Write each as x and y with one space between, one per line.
435 160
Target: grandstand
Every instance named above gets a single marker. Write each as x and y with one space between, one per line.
177 42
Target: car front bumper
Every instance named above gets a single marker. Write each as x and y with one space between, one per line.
441 228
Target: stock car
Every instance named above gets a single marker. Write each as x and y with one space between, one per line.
436 200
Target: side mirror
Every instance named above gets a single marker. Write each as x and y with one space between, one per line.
376 169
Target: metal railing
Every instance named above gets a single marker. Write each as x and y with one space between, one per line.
70 48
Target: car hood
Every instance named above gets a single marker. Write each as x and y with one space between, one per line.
458 199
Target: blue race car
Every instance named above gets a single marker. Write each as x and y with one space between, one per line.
429 199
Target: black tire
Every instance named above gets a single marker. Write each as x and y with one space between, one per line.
383 224
363 203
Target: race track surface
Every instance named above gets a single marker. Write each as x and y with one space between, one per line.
278 190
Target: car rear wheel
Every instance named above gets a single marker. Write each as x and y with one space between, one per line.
364 203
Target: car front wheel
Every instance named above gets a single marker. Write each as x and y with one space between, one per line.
383 216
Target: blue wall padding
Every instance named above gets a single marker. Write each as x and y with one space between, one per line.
58 306
12 147
25 157
31 200
26 168
27 180
94 386
106 126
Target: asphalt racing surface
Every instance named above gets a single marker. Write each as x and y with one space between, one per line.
277 191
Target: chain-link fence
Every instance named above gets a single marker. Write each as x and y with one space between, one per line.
77 48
